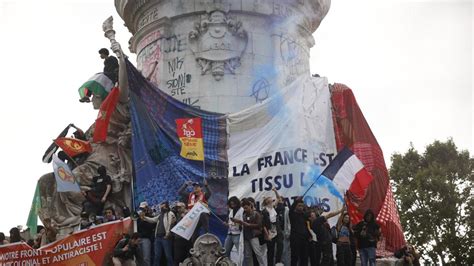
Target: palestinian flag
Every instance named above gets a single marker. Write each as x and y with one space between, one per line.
99 85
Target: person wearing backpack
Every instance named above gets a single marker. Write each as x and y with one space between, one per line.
323 233
343 240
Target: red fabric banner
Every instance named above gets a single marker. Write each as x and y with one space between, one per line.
87 247
189 132
352 130
73 147
106 110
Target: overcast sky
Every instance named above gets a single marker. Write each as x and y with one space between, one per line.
409 63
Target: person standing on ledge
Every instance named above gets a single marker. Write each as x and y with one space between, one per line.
111 65
197 195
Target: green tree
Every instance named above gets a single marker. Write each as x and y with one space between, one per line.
436 202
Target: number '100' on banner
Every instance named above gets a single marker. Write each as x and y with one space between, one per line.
189 131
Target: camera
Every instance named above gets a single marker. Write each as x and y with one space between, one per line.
136 214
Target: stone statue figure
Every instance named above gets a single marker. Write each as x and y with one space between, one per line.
207 250
64 208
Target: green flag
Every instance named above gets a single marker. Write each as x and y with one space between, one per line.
32 222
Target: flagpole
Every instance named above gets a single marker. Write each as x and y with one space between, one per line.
71 159
312 184
203 151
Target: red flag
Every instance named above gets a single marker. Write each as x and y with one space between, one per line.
73 147
106 110
189 131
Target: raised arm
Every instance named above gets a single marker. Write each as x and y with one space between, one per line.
276 193
109 33
332 214
208 191
182 190
122 74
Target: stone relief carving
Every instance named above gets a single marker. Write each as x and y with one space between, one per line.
207 250
218 43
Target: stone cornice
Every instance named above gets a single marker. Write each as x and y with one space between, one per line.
138 14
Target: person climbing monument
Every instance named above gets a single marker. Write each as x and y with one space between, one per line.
99 192
111 65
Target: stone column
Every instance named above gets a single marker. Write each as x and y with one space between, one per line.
222 55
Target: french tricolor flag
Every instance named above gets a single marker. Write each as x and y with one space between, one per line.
348 173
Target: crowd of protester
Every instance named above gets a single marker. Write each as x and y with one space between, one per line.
275 234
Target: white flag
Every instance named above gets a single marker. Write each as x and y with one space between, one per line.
65 180
185 228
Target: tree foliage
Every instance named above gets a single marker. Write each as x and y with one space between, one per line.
436 202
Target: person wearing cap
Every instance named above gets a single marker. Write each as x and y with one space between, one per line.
163 238
147 233
197 195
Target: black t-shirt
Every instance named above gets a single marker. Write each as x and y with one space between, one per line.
298 225
111 67
322 230
280 209
100 184
146 229
367 234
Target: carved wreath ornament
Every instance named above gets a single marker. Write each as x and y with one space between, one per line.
218 42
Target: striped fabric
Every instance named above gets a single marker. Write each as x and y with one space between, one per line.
352 130
99 84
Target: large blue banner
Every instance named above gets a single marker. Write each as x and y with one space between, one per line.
159 169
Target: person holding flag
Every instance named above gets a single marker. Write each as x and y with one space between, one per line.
191 198
323 233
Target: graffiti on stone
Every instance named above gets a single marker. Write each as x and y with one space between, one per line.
292 56
175 65
177 84
192 102
261 90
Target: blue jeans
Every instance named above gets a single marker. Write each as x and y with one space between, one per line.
230 242
367 256
166 245
144 254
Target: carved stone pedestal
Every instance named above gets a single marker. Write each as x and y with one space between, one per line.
207 251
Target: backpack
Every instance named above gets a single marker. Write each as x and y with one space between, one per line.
334 234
